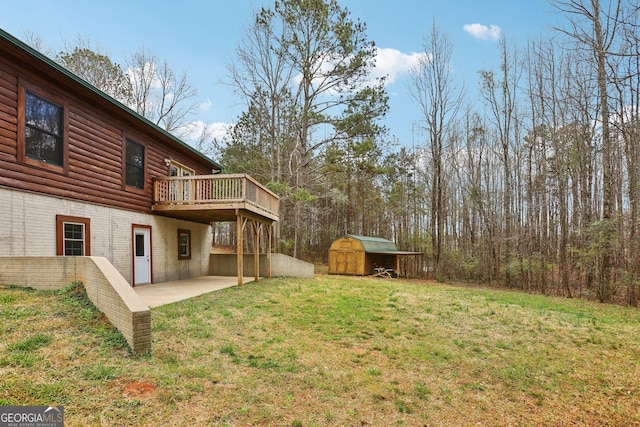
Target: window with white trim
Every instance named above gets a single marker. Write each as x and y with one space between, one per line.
73 239
72 236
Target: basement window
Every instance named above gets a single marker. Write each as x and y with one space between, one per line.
184 244
72 236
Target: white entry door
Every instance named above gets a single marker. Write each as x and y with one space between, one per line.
141 256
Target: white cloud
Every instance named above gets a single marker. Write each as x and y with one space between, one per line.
219 130
206 105
149 70
200 135
392 62
199 130
482 32
389 63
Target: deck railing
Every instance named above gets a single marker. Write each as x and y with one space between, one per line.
223 191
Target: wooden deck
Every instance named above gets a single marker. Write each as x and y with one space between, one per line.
210 198
213 198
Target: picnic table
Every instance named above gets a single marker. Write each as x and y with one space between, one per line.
384 272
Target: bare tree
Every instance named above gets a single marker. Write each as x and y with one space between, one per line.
439 99
35 41
593 26
147 85
499 90
159 94
627 127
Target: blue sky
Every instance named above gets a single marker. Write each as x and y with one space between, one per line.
199 37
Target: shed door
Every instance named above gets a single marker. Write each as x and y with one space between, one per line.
346 262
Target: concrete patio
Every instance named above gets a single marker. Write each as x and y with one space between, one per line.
157 294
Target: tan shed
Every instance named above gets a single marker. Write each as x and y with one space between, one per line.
362 255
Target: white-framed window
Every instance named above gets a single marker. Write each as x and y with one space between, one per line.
73 236
73 239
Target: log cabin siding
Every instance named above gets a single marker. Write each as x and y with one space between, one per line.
96 133
90 182
8 113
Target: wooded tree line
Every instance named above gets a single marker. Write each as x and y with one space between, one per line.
536 187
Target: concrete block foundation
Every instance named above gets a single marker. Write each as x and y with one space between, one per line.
281 265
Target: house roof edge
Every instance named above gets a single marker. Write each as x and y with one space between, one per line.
59 68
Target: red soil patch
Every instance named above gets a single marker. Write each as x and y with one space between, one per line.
139 388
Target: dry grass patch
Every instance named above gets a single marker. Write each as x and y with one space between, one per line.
329 351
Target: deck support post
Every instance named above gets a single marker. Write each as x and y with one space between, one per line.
256 249
241 222
269 230
258 226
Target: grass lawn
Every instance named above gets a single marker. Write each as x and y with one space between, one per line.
331 350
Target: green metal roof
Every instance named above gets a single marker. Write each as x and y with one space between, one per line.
48 61
375 244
